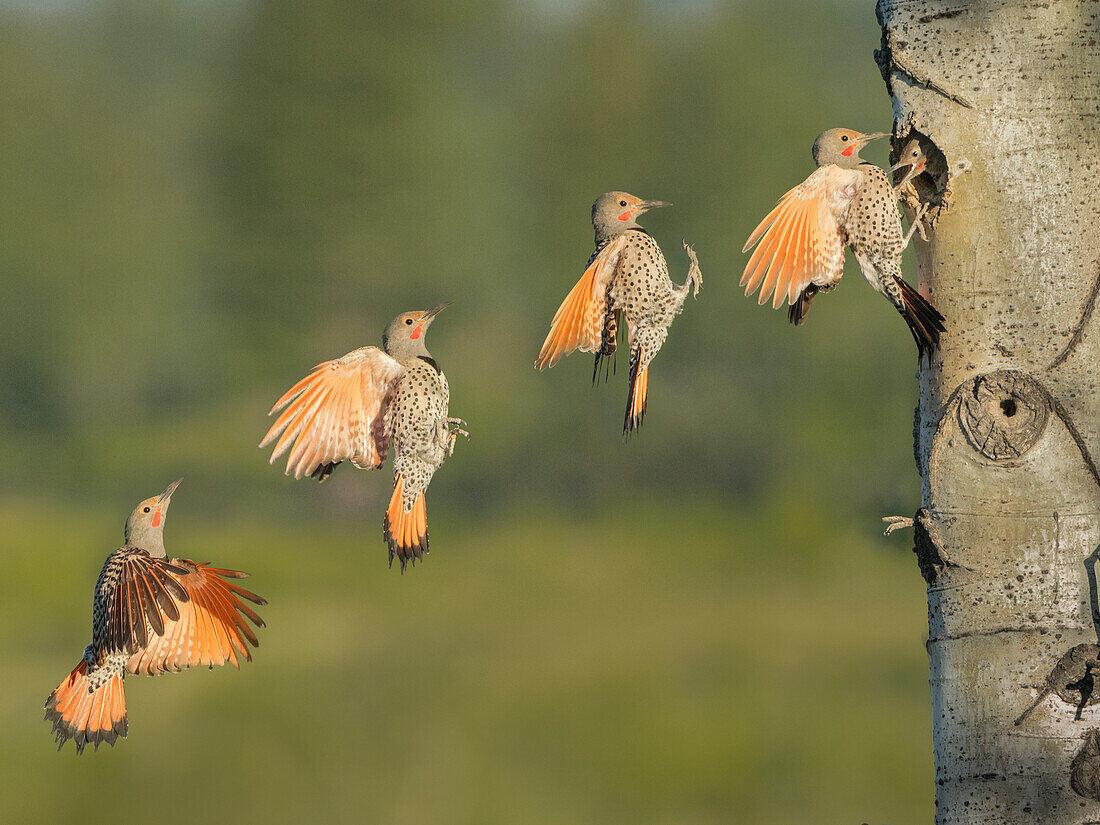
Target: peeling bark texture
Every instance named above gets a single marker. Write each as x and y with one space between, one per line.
1008 422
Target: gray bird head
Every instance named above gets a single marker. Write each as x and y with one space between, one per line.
403 339
841 146
615 212
145 527
911 162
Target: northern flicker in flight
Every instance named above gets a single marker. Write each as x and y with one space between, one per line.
626 277
150 615
350 409
846 201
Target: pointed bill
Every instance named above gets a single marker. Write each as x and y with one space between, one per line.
166 496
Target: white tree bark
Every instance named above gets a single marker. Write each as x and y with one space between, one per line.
1008 423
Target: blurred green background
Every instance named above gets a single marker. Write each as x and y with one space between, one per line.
200 200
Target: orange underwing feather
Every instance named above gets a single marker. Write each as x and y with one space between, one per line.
770 230
146 594
334 414
801 241
579 321
208 629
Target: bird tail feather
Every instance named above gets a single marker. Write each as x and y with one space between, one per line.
923 319
96 717
406 533
637 392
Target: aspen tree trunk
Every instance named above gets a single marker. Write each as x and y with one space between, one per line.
1008 422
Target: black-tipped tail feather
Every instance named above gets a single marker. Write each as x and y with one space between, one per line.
406 533
923 319
87 718
636 394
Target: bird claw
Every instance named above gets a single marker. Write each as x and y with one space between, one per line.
896 523
695 274
454 430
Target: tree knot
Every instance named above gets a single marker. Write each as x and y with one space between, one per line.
1084 771
1003 413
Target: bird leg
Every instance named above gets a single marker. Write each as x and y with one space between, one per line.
962 167
695 274
453 427
910 197
896 523
916 224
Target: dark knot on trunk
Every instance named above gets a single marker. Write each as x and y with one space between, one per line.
1084 771
1003 413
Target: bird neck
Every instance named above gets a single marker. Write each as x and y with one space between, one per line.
406 353
604 235
151 541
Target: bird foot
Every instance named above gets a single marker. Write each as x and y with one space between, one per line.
917 225
695 274
454 430
896 523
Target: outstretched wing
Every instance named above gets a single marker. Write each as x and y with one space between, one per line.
209 629
579 321
336 413
801 240
146 596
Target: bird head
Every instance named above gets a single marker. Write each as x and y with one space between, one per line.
911 162
404 337
615 212
841 147
145 527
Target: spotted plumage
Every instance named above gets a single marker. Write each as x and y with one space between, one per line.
353 408
150 615
625 278
845 201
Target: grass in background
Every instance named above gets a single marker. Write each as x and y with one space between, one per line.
664 664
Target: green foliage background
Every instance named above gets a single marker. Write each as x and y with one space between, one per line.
200 200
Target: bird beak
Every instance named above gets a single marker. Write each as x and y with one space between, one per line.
166 496
645 206
867 138
911 171
431 313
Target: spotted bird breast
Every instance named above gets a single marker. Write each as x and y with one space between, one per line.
419 404
641 287
873 224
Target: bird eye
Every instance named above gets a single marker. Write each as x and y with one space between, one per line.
408 321
622 203
146 510
844 138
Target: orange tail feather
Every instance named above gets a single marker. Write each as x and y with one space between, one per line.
87 717
639 390
406 534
